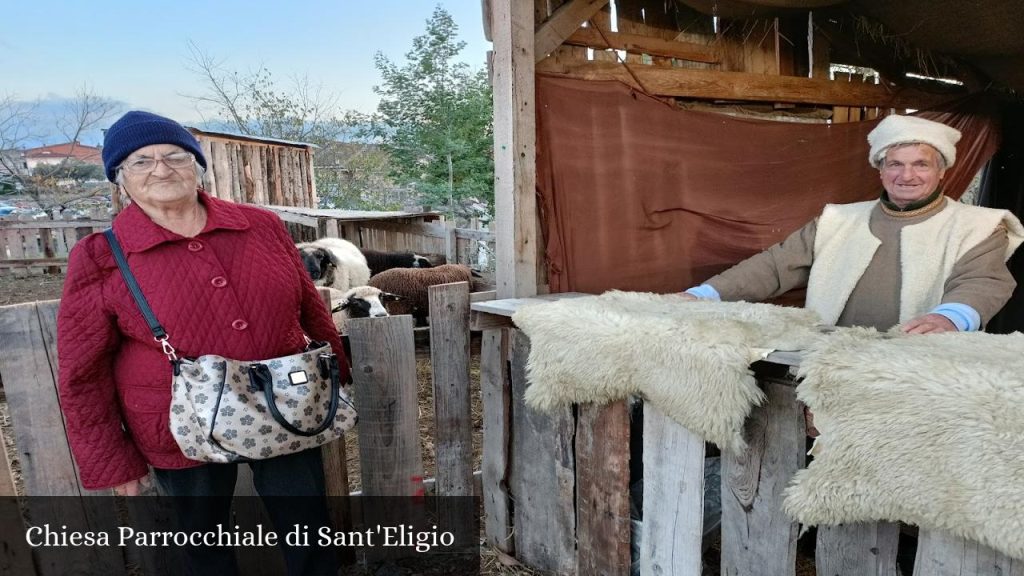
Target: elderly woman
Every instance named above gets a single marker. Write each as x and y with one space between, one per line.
224 279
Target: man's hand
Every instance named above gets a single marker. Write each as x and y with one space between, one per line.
809 423
928 324
687 296
141 487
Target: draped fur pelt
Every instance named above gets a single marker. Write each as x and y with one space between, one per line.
925 429
690 359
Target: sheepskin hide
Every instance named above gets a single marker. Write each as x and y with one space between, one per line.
690 359
927 430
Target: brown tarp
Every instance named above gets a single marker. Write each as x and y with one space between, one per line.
638 195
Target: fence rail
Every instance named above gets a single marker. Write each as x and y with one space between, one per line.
30 247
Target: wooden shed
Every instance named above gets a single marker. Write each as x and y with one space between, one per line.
556 488
255 170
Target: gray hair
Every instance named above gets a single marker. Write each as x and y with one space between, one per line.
938 154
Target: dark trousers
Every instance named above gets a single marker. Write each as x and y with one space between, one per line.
292 489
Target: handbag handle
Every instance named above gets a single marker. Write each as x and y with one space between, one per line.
259 376
159 334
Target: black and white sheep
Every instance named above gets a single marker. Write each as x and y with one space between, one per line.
381 261
412 283
358 302
334 263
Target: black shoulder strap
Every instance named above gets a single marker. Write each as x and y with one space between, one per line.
154 325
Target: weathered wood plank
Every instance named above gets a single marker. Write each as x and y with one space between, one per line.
49 224
384 375
604 39
8 487
757 537
495 392
453 419
30 385
222 170
943 554
562 23
16 249
602 490
541 480
744 86
28 368
861 549
673 512
515 149
15 553
449 358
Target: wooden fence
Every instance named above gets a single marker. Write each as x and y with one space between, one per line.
556 486
384 373
412 234
34 246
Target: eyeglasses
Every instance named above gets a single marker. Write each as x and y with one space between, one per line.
144 165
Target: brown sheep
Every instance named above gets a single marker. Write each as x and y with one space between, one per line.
412 283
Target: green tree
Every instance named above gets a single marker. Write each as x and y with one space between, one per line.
434 120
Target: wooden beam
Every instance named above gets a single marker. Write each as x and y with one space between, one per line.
639 44
561 25
515 149
744 86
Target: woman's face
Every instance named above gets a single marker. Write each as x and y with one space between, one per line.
169 182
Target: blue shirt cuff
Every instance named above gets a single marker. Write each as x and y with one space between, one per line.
705 292
965 318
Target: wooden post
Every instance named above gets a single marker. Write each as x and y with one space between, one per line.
602 490
942 554
861 549
542 479
384 375
495 392
453 419
28 368
515 153
449 357
673 511
757 536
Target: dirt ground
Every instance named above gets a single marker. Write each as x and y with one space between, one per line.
30 289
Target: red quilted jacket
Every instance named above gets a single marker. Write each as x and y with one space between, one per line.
238 289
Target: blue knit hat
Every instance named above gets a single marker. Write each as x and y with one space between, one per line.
137 129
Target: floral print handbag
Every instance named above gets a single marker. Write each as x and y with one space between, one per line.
225 410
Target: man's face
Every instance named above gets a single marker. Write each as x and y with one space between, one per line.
911 173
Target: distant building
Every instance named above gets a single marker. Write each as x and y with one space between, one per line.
58 153
12 162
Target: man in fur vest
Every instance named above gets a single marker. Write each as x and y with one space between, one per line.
913 258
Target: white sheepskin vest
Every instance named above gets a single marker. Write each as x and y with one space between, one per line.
844 247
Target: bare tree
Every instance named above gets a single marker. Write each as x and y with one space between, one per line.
65 183
256 105
349 175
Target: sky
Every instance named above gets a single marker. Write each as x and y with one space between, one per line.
138 52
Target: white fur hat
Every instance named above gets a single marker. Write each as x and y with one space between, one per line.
896 129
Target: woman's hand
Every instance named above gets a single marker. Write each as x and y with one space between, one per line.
141 487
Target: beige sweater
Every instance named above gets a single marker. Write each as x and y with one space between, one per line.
979 279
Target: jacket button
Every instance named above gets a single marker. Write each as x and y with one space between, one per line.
195 246
219 282
239 324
